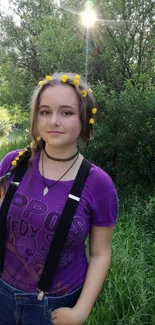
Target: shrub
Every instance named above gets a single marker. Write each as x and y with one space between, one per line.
124 133
5 122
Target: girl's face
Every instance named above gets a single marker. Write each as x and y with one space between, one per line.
59 116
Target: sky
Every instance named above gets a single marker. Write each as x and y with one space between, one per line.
4 4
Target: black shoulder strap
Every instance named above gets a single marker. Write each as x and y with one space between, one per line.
20 171
63 227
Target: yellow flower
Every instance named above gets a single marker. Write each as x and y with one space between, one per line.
14 163
38 139
20 153
91 121
77 76
83 93
32 143
94 110
17 158
64 78
49 78
76 82
41 82
90 90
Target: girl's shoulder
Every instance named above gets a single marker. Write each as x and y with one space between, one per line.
103 198
99 178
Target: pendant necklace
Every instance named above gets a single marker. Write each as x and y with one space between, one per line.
46 188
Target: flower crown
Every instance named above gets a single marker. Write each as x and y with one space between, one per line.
76 81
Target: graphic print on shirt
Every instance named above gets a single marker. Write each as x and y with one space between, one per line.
27 244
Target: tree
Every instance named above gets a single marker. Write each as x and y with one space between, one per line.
38 46
5 125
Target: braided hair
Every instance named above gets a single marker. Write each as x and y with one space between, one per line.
22 155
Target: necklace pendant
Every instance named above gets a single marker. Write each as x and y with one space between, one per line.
45 191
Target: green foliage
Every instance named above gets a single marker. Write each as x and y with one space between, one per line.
128 295
39 46
5 125
124 133
149 214
19 118
7 146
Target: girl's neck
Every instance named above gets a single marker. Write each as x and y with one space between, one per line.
61 153
54 170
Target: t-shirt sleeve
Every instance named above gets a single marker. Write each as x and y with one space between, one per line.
5 163
104 207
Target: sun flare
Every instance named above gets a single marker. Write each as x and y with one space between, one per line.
89 17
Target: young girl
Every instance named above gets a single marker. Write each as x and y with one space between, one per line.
63 112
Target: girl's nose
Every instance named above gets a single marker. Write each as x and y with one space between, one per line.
54 119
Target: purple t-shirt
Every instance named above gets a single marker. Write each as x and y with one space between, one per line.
32 219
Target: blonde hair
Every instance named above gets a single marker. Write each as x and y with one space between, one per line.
86 105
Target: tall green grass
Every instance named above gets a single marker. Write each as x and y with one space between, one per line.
128 295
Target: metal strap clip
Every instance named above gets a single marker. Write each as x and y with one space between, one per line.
73 197
15 183
40 295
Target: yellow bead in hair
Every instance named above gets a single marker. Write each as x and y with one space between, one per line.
41 82
83 93
32 144
20 153
77 76
94 110
49 78
14 163
90 90
38 139
76 82
64 78
17 158
91 121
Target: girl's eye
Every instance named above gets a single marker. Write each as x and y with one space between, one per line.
67 113
44 112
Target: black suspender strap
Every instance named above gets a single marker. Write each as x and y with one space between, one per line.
62 229
20 171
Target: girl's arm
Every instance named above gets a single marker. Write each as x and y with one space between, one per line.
100 257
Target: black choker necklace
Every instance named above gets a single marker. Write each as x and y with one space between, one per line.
61 159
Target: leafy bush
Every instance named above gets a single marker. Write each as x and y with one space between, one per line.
19 118
124 133
7 146
5 122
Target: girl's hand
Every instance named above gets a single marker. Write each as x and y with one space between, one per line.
67 316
